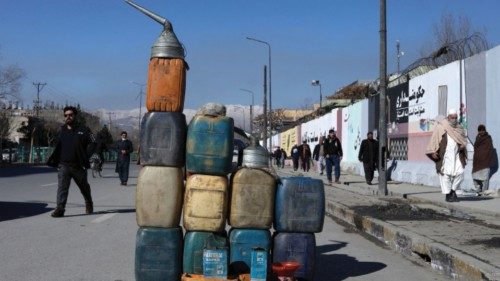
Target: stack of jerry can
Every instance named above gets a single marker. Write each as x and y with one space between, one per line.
299 213
251 214
160 185
209 150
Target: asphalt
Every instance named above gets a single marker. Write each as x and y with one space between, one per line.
459 239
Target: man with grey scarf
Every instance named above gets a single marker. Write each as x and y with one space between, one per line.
447 148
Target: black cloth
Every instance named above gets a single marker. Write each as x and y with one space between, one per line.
333 147
368 151
71 148
64 176
483 152
123 159
369 168
316 149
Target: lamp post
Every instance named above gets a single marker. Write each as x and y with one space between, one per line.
317 83
251 109
243 109
270 87
139 96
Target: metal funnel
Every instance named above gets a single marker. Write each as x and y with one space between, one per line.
167 45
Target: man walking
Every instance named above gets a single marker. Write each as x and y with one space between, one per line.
447 148
295 157
333 155
482 160
368 154
305 156
283 158
124 148
72 160
319 156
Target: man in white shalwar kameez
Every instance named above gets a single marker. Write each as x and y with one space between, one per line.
447 149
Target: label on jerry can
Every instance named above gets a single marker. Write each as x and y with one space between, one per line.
215 263
258 268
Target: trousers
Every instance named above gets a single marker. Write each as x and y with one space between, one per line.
64 176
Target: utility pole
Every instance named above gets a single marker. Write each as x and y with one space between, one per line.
382 125
39 86
139 96
399 54
109 115
265 108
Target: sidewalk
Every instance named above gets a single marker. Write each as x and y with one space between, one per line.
459 239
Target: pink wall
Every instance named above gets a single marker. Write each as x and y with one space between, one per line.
417 143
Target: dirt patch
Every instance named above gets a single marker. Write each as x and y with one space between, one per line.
399 212
491 243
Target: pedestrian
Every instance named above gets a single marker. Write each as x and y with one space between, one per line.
283 158
333 155
71 158
277 157
124 148
319 155
295 157
305 156
368 154
482 160
447 148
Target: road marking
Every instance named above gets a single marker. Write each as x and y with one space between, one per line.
49 184
103 218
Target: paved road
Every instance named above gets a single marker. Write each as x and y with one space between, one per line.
34 246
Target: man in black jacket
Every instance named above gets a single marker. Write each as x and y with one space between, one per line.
124 148
71 159
368 154
333 155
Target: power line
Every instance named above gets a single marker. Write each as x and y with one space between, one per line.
39 86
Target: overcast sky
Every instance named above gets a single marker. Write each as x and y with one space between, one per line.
87 51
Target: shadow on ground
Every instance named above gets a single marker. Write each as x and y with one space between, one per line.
103 212
17 210
332 267
21 170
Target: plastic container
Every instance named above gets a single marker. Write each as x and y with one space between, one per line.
194 243
158 254
299 247
252 199
159 193
209 147
241 244
215 263
163 139
300 205
166 84
205 203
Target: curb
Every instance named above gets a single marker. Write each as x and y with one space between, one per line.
440 257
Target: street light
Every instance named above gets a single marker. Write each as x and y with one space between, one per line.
243 109
251 110
139 96
270 88
317 83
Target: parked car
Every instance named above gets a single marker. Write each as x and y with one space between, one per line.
9 154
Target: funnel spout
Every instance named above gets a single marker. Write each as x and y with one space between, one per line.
167 45
148 13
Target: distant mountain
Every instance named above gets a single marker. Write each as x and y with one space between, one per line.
128 119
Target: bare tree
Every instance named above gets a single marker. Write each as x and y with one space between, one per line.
10 81
454 39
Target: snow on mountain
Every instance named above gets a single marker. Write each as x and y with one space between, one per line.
128 119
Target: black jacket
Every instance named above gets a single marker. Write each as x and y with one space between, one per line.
333 147
82 139
316 151
368 153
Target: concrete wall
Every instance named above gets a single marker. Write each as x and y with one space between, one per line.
473 86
